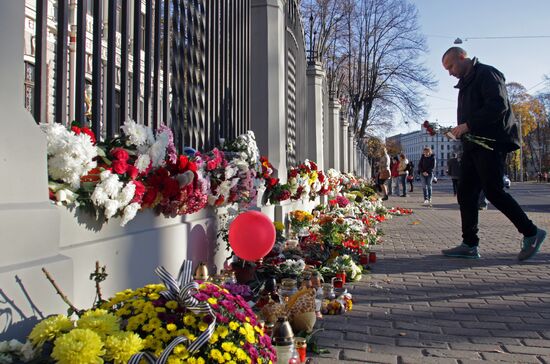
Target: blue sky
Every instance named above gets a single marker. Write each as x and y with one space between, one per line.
521 60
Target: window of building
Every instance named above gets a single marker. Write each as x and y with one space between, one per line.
90 7
29 86
433 147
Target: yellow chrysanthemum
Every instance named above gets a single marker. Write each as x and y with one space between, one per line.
212 300
100 321
189 320
171 305
279 226
121 346
222 331
202 326
81 346
233 325
171 327
49 329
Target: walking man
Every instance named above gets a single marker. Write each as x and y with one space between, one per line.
453 170
484 110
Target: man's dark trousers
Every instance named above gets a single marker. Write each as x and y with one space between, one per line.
484 169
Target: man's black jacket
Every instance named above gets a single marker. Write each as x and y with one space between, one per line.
483 104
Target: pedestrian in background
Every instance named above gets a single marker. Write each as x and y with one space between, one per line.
410 176
394 181
426 167
453 170
402 169
484 111
384 172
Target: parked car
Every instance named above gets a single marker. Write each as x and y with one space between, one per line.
506 181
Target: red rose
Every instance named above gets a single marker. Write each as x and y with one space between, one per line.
120 166
182 163
273 182
293 173
192 166
426 124
132 172
75 129
313 165
120 154
89 133
140 191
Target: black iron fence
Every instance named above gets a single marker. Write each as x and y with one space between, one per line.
184 63
295 81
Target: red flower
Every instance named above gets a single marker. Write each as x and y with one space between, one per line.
426 124
89 133
182 163
273 181
120 166
293 173
150 196
132 172
75 129
120 154
313 165
140 191
192 166
92 176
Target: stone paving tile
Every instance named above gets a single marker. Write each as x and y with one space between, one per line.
417 306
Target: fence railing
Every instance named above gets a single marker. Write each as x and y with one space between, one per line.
184 63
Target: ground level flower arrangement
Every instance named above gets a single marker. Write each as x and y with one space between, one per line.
178 321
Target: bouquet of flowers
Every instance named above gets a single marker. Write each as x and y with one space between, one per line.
299 220
434 128
178 321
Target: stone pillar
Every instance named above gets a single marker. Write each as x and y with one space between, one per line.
351 151
314 125
344 160
29 224
333 135
267 81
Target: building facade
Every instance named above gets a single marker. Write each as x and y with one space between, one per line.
414 142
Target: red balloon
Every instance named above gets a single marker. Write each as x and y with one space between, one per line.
251 235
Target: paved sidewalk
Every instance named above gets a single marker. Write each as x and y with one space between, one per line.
420 307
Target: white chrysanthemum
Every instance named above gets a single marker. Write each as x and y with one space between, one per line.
112 185
126 194
129 213
70 156
230 171
241 164
136 133
111 208
224 188
99 196
143 162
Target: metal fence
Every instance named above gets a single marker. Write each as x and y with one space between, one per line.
295 58
183 63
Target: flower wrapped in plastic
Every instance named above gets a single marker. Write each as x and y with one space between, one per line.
434 128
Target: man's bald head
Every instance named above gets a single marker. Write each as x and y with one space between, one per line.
454 52
455 60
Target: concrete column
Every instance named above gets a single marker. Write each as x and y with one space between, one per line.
351 151
267 81
343 149
333 135
315 139
29 224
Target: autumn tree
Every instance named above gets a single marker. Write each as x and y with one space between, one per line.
532 116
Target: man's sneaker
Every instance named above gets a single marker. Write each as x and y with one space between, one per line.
462 251
531 245
426 202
